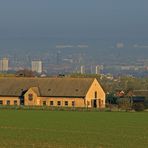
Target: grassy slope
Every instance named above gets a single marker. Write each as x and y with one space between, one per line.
73 129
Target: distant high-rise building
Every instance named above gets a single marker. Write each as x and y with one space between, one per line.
82 70
4 63
97 69
37 66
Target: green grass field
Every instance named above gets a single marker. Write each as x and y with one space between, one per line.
53 129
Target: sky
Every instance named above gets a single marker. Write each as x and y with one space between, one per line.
26 21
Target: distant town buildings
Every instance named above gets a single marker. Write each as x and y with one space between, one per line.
120 45
4 64
67 62
37 66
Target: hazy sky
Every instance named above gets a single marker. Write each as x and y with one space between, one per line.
91 19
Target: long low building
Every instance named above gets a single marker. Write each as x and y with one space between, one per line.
70 92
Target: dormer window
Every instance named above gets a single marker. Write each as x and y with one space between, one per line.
30 97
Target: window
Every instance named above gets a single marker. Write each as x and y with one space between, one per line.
44 103
30 97
8 102
1 102
96 95
15 102
73 103
59 103
66 103
51 103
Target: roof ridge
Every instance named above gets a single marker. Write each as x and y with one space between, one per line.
59 86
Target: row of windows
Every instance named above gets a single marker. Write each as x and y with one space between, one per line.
8 102
52 103
59 103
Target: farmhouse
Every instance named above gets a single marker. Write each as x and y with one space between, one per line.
70 92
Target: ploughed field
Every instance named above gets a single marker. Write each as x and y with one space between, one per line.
62 129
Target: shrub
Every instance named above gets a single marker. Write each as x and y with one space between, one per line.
138 106
146 103
124 103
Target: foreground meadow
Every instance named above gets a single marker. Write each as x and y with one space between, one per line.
61 129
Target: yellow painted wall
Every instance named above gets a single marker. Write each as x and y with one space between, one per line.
38 101
78 102
35 101
11 99
95 87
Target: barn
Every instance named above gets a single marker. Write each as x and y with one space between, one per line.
64 92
